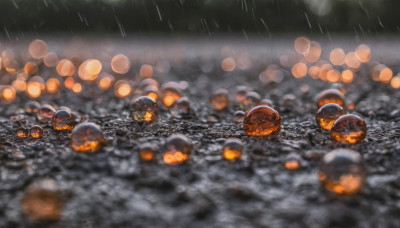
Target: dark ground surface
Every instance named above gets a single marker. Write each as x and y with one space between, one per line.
113 188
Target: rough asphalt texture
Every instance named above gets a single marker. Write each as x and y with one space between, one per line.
113 188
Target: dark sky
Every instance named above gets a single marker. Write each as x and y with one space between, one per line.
199 16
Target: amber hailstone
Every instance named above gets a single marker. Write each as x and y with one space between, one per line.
232 149
349 128
87 137
32 107
36 131
262 121
22 132
147 152
182 108
342 171
150 82
328 114
144 109
177 150
151 91
42 201
45 113
220 100
252 99
331 96
21 118
292 161
170 93
63 120
241 92
267 102
239 116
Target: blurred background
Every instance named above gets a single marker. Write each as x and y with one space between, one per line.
208 17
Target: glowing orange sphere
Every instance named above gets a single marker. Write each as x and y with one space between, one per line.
170 93
232 149
147 152
63 120
45 113
262 121
36 131
328 114
177 150
22 132
144 109
331 96
342 172
220 100
87 137
42 201
292 162
349 128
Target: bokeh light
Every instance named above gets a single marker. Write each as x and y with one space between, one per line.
375 71
122 89
302 45
352 61
89 69
69 82
120 64
11 66
314 72
347 76
151 91
333 76
314 52
77 88
146 71
31 68
323 72
7 93
299 70
51 59
35 87
65 68
38 49
385 75
52 85
228 64
19 85
105 81
395 82
363 53
337 56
